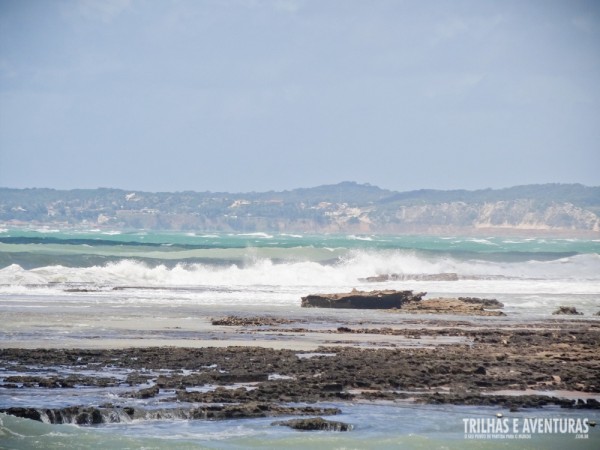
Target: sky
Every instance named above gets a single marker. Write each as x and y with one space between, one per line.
260 95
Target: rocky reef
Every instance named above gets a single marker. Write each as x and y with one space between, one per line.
401 300
88 415
491 366
567 310
314 424
386 299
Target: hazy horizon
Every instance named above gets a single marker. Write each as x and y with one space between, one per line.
303 188
260 95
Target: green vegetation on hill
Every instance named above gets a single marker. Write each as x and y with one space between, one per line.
346 206
577 194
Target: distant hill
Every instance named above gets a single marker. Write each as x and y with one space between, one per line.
576 194
564 209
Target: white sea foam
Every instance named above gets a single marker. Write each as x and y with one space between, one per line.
257 270
482 241
47 230
15 275
354 237
278 276
259 235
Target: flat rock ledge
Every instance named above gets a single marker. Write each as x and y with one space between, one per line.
250 321
406 301
314 424
89 415
386 299
470 306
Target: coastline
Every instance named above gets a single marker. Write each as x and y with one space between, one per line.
456 360
367 379
224 355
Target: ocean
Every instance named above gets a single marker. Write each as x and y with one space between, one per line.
531 276
86 288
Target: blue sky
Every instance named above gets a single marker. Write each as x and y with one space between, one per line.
257 95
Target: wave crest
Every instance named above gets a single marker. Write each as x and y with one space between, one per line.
264 271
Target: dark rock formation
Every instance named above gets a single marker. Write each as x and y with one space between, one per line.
387 299
484 361
146 393
83 415
480 371
52 382
568 310
26 413
490 303
250 321
80 415
314 424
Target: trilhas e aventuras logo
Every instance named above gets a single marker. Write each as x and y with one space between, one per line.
524 428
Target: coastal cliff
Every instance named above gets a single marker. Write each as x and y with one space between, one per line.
346 207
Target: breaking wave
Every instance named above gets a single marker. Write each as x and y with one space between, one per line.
346 270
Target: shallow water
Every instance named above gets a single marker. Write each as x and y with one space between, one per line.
376 427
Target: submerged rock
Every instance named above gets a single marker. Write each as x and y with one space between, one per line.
411 277
26 413
146 393
80 415
568 310
490 303
85 415
314 424
386 299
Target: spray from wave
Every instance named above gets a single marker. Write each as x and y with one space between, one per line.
255 270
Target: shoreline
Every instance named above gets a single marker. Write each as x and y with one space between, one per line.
276 361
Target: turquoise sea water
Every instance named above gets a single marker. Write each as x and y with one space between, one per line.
85 248
376 427
105 275
529 274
